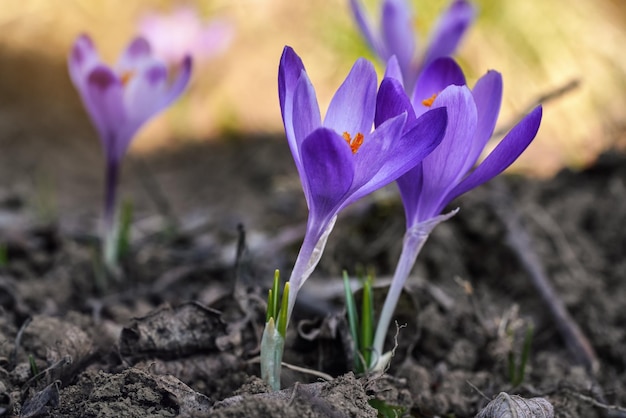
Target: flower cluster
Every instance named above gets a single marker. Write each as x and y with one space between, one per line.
421 126
341 160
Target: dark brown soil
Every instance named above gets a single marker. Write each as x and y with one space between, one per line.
179 334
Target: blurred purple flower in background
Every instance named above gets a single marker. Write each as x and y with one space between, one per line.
396 35
119 100
447 173
183 32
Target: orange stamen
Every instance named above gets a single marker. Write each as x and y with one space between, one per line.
355 143
429 102
126 76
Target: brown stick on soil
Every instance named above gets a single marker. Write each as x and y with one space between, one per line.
520 242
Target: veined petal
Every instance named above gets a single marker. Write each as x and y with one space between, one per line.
392 101
372 155
488 97
306 118
353 106
410 186
289 71
328 169
507 151
397 31
366 28
449 31
104 102
443 168
407 150
135 54
440 74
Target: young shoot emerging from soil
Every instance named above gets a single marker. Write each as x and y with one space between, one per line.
446 173
396 35
119 100
340 160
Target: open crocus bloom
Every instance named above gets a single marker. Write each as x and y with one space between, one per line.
119 100
448 171
396 36
342 159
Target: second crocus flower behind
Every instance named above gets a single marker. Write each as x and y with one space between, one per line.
446 173
340 160
395 34
119 100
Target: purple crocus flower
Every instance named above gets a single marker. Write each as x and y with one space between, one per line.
182 32
341 159
395 34
119 100
448 172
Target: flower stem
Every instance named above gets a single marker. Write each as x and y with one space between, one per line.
110 227
308 257
414 239
273 340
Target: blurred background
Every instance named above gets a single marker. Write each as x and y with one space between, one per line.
538 46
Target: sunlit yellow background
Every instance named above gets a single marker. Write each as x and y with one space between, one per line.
538 45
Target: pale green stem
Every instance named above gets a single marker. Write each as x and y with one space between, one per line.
272 346
310 254
414 239
272 342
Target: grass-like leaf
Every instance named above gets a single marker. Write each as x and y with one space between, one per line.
353 319
123 238
282 315
367 322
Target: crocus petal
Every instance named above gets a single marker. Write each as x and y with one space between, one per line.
329 169
83 58
104 102
449 30
392 70
181 81
507 151
137 51
367 28
488 97
440 74
304 103
397 31
410 186
392 101
353 105
408 150
213 39
444 167
371 156
289 72
145 92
